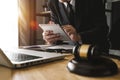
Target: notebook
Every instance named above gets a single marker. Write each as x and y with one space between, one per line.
19 58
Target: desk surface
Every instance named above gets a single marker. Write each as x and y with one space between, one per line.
49 71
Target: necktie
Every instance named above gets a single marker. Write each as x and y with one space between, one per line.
70 13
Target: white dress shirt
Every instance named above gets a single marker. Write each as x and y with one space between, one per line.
72 2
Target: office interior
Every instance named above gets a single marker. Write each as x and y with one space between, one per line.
31 13
36 12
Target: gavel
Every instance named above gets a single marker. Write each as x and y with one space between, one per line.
89 51
91 60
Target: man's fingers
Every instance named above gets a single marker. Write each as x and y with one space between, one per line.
48 32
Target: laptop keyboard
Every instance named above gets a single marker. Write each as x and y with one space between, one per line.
21 57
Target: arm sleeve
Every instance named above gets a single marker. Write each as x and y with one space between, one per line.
99 30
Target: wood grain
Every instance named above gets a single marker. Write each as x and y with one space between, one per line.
56 70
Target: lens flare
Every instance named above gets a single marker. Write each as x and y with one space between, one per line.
34 25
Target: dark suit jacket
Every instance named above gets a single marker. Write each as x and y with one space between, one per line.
90 19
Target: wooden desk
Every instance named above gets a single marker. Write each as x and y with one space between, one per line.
50 71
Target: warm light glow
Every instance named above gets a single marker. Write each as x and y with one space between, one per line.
8 23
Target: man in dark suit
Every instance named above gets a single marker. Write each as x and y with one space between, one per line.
88 26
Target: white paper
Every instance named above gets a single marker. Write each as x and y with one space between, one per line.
56 29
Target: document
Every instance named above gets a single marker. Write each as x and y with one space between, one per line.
56 29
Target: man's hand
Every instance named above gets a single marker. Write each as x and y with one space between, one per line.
51 37
70 30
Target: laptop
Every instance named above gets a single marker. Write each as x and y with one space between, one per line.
19 58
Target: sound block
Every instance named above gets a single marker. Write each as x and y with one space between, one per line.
95 67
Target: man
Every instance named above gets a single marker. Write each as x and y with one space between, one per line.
88 26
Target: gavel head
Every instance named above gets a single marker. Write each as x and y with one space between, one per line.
86 51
